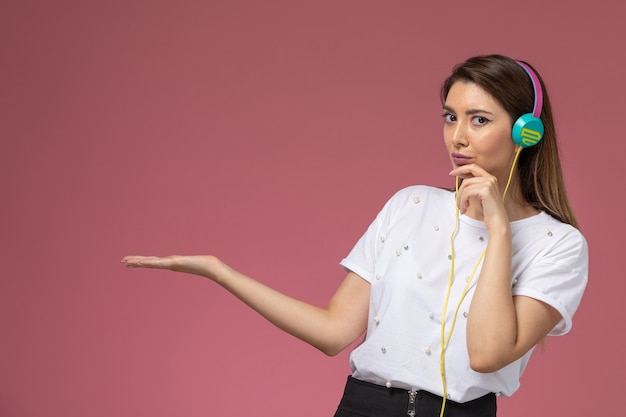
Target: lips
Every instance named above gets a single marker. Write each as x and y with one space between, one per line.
460 159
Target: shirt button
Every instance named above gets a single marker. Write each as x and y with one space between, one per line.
431 314
388 384
427 350
376 320
383 349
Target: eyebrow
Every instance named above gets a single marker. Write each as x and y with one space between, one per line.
468 112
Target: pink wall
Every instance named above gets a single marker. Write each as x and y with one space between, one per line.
267 133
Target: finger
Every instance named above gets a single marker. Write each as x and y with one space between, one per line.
468 171
463 202
141 261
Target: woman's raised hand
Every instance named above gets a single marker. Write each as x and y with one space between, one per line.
480 195
203 265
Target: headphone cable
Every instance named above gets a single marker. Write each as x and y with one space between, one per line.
446 339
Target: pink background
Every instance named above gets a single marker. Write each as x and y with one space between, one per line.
269 133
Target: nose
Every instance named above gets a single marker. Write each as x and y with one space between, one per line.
458 135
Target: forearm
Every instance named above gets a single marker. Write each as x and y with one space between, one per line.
492 320
309 323
329 329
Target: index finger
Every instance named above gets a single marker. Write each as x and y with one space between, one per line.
468 171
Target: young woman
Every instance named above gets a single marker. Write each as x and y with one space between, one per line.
453 287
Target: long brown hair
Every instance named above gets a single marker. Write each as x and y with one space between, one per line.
539 166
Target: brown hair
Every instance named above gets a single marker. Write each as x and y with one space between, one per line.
539 166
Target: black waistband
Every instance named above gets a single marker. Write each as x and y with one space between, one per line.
363 398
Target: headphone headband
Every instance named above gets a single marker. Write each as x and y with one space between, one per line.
528 129
537 107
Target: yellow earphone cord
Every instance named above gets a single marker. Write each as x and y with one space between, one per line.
445 339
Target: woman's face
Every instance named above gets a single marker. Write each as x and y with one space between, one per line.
477 130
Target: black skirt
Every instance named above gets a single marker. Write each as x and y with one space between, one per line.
364 399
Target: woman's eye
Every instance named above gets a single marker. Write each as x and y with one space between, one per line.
481 120
449 118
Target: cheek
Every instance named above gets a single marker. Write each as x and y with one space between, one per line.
507 144
500 142
496 150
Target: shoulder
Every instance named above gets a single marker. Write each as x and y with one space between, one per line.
562 235
415 202
544 240
419 194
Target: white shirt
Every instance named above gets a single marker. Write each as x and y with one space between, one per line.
405 256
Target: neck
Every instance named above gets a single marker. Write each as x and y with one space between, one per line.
517 207
519 211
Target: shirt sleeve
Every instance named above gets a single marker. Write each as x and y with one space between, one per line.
558 278
362 258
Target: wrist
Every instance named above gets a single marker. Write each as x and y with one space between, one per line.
216 270
501 232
